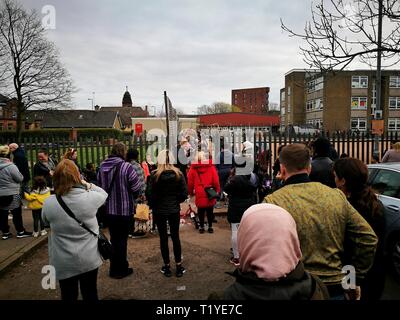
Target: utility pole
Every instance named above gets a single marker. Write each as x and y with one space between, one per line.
378 108
166 117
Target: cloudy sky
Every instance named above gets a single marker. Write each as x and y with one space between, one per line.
198 51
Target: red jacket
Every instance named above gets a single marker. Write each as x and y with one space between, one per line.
209 178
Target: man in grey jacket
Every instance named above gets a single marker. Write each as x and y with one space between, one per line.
10 199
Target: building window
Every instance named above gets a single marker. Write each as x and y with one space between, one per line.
318 123
394 124
319 105
288 107
283 111
315 85
283 97
310 105
359 124
359 82
394 82
359 103
289 91
319 83
394 102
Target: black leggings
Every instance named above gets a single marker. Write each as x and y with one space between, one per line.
37 219
87 282
210 216
17 219
173 221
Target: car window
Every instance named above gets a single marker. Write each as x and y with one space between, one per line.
387 183
371 175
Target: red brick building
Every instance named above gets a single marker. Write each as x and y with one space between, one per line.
253 100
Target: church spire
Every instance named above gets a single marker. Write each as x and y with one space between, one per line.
127 99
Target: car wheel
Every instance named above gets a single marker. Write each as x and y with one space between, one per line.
395 257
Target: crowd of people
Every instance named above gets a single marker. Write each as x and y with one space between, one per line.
291 234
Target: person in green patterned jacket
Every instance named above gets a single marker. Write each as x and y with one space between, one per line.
325 221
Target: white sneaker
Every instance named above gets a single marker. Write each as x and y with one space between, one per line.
36 234
43 232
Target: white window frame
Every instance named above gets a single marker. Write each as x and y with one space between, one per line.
318 123
373 101
359 82
289 91
396 103
359 120
283 96
319 104
319 83
394 82
358 103
395 122
310 104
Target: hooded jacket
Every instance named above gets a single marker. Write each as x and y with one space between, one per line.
10 178
241 190
36 198
201 176
166 194
21 162
126 186
298 285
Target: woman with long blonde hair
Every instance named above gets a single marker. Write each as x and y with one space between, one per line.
393 155
166 190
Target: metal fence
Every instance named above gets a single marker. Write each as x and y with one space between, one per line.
97 148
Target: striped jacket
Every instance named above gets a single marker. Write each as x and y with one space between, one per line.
126 188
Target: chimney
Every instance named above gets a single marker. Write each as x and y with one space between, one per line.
147 109
96 107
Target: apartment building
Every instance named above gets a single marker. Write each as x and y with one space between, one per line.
253 100
340 100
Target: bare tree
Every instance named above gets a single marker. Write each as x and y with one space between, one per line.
217 107
343 31
29 63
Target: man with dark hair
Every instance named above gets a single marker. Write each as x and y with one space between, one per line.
322 165
326 221
44 167
21 162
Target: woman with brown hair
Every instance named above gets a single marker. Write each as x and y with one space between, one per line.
73 251
351 176
393 155
72 154
166 190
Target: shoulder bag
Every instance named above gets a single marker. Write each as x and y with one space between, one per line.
104 245
210 191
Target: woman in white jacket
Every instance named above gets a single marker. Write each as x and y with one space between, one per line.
73 251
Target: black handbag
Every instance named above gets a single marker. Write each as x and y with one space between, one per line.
104 245
210 191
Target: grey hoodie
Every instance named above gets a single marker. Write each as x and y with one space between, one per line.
10 178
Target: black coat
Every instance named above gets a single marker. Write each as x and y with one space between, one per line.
166 194
322 171
298 285
39 169
242 195
21 162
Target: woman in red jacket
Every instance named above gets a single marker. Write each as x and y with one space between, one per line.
203 174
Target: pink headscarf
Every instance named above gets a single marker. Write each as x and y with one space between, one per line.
268 242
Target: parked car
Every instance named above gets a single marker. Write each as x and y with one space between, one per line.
385 180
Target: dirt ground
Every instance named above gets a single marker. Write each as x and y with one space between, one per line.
205 256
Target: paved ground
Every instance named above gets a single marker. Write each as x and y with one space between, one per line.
205 256
13 249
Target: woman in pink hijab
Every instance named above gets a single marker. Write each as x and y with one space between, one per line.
270 259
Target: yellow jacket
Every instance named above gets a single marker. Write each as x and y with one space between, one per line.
36 199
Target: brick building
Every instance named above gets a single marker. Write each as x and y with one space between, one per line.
253 100
339 100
